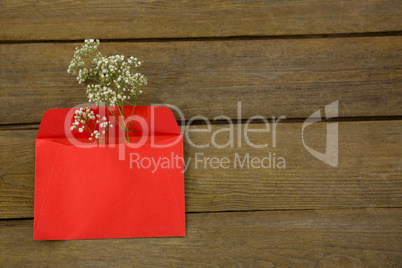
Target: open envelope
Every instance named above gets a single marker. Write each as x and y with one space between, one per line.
112 191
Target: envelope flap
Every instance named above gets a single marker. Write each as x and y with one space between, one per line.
165 122
147 121
52 124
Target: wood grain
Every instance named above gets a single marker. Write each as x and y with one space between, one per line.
292 77
368 174
72 20
337 238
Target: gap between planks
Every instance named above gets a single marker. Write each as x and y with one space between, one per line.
224 38
237 121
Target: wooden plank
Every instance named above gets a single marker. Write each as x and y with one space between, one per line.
292 77
368 174
72 20
337 238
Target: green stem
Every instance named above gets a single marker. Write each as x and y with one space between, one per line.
123 126
90 131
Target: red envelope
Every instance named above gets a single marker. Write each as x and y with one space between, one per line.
90 191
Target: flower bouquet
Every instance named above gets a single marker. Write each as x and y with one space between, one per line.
112 82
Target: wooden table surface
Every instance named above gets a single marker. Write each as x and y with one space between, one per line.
276 57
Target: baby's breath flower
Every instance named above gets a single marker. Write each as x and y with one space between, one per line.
83 119
111 81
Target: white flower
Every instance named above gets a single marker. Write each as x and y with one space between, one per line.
112 81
